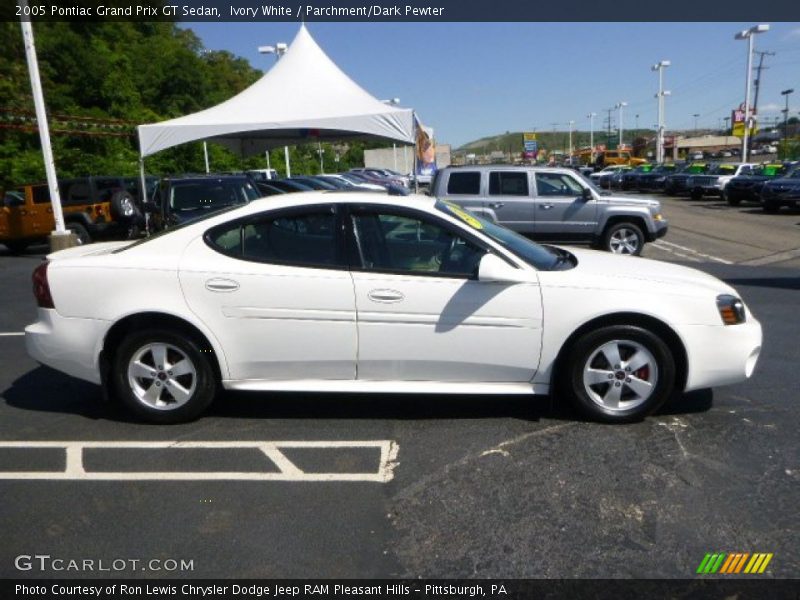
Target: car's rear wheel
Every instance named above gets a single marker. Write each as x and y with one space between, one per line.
80 232
619 373
624 238
163 376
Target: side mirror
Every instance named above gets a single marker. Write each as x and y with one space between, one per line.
587 194
493 268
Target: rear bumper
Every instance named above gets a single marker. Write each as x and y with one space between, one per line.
721 354
67 344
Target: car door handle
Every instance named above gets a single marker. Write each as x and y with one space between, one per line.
222 285
547 206
497 205
385 296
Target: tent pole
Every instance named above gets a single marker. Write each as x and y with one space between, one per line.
205 155
414 163
143 195
288 167
267 153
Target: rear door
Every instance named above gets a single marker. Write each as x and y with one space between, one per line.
561 210
277 293
509 199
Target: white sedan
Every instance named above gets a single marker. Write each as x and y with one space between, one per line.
367 293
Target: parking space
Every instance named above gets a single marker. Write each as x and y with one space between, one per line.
339 485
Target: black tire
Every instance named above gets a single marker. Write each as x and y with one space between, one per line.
731 200
123 206
16 247
586 348
79 230
696 194
615 230
203 384
770 206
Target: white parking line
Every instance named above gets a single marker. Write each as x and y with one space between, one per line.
11 333
287 470
692 253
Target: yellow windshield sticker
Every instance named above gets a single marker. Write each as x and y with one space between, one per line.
464 215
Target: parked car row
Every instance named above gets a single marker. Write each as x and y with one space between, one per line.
772 185
113 208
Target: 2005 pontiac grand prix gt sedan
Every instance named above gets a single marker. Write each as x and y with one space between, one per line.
368 293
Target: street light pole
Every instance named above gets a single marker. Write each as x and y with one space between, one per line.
60 238
620 106
695 115
660 66
591 116
278 50
571 123
748 34
786 94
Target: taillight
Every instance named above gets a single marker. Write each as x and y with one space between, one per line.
41 288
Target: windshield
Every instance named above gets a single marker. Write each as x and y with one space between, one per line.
206 195
540 257
723 170
589 182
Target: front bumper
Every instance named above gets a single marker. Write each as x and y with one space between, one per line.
66 344
721 354
659 231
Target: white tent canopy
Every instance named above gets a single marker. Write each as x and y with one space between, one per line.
304 98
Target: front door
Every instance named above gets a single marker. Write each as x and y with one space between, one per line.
277 294
422 313
561 210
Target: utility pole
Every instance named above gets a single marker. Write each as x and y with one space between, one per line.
608 125
591 116
757 84
748 35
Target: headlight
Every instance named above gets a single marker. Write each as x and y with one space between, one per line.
658 217
731 309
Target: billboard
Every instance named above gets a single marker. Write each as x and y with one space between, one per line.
425 163
737 120
530 145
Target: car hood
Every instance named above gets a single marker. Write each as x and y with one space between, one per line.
611 271
785 181
629 201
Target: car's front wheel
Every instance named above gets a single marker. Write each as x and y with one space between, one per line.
618 374
163 376
623 238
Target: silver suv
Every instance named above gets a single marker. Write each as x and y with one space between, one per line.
553 204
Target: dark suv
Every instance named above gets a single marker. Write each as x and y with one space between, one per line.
180 199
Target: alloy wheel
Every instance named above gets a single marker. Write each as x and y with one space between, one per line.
162 376
620 375
624 241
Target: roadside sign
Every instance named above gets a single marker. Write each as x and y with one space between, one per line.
737 123
530 144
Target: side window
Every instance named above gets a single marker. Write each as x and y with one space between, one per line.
404 244
307 239
41 194
557 184
464 183
304 239
508 183
78 192
106 188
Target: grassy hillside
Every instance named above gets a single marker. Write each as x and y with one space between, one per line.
511 141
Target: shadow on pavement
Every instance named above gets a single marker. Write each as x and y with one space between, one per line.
48 391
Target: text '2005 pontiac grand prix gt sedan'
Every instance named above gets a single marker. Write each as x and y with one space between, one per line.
368 293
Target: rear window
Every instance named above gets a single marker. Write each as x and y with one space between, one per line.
508 183
464 183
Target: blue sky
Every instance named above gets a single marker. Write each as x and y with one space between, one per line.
469 80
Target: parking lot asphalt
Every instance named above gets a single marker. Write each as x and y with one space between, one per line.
479 486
